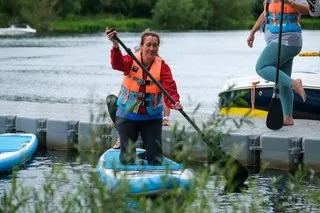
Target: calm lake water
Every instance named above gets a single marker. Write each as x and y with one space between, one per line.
64 77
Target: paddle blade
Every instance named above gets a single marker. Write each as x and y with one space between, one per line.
112 106
275 115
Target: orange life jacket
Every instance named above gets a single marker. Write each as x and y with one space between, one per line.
131 98
291 17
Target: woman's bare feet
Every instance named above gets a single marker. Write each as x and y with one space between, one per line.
288 121
117 144
298 88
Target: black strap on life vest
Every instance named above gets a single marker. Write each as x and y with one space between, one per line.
141 81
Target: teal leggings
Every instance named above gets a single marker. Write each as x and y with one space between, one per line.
267 66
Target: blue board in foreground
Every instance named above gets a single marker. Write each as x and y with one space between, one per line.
143 179
16 149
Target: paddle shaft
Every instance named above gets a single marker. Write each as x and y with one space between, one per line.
163 90
275 114
279 50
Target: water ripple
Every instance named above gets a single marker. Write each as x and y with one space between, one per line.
27 57
45 99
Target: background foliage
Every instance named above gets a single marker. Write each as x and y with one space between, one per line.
86 16
164 14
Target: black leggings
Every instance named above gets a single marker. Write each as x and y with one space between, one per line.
151 135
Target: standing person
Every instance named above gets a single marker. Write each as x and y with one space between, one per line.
139 103
112 108
291 45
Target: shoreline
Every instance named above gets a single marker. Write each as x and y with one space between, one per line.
89 25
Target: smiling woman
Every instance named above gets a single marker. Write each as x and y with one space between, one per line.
140 104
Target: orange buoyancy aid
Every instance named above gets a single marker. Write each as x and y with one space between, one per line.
291 17
130 98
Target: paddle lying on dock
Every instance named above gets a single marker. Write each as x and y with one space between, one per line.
309 54
235 180
275 113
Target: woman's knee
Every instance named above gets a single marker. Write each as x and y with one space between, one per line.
154 154
127 158
259 69
155 160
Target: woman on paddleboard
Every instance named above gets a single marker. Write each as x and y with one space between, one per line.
112 109
140 103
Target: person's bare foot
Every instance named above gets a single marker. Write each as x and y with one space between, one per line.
298 88
288 121
117 144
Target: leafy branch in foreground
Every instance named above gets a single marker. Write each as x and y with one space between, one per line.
75 187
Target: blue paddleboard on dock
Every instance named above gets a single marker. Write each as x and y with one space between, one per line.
16 149
141 177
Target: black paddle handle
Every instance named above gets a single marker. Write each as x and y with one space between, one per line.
163 90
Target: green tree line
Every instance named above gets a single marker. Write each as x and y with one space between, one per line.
161 14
